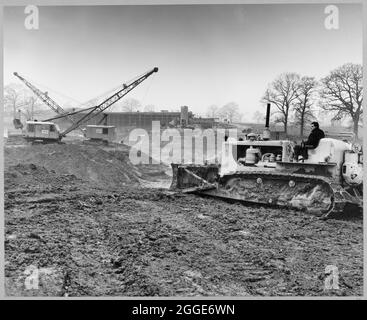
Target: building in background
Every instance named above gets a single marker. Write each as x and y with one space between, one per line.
137 119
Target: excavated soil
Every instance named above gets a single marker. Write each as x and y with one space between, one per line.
86 162
80 219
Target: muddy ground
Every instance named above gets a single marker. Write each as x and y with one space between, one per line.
95 229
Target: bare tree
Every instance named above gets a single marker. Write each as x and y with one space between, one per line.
130 105
305 99
13 97
70 106
342 93
239 117
91 103
212 111
149 108
258 116
32 107
282 92
230 111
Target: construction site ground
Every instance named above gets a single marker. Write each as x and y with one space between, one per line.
87 222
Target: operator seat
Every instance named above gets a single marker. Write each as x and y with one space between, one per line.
328 150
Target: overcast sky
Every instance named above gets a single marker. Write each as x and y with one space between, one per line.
206 54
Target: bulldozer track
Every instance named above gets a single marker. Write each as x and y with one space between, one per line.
336 199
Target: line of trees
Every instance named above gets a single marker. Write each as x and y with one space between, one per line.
297 97
18 99
229 112
132 105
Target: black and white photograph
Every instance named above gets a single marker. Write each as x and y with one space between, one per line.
183 150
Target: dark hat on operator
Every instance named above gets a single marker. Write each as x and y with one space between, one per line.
316 124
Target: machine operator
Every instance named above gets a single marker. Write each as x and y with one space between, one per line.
300 152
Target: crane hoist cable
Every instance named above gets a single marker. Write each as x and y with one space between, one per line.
94 111
99 97
104 94
54 91
147 90
117 87
96 98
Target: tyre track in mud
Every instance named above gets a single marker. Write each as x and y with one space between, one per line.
188 247
288 250
147 243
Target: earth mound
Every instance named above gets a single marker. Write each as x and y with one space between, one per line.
85 162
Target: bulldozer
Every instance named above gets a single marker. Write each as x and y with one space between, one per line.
263 171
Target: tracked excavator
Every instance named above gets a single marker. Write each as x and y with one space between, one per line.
47 131
264 172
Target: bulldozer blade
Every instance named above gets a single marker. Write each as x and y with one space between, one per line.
190 179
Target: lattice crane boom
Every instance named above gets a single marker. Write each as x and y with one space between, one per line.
43 96
94 111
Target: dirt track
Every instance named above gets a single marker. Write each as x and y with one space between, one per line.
88 238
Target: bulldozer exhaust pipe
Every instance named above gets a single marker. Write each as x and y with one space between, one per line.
267 116
266 133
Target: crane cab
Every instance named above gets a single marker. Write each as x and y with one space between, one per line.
39 131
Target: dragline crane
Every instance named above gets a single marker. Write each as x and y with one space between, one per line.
47 131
